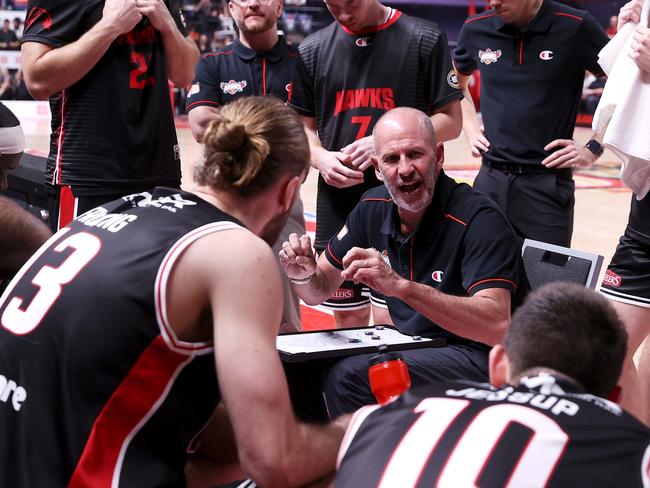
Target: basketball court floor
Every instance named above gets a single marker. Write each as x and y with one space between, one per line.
602 203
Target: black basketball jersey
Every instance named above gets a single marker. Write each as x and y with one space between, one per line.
112 131
347 80
544 432
95 388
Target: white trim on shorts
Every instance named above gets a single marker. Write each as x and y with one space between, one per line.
378 302
617 296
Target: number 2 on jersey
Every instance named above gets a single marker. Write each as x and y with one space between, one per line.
50 282
472 451
139 78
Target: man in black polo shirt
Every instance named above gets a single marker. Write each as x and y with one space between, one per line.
258 63
444 256
532 56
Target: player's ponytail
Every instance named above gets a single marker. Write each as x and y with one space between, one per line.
250 144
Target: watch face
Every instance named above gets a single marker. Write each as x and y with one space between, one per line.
595 147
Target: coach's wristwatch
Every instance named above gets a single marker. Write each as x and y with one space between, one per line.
595 147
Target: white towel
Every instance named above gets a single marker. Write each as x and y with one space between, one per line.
623 114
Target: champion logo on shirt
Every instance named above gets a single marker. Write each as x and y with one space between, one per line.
364 41
232 87
546 55
489 56
437 276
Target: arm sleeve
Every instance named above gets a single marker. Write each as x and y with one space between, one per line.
351 235
302 89
463 59
491 253
54 22
442 85
591 40
205 89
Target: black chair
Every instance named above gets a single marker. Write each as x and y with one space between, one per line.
545 263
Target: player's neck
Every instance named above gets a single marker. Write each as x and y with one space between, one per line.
249 211
409 221
261 42
378 14
529 14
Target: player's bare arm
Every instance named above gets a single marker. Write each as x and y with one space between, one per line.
181 53
199 118
273 448
314 279
483 317
472 128
333 166
48 70
448 121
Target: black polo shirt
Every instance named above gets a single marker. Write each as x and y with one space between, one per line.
531 79
463 244
236 71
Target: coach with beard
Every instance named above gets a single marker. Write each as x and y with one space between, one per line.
443 254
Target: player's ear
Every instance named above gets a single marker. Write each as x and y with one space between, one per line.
499 366
289 191
440 157
280 4
375 164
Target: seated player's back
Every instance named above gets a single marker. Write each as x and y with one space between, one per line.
94 382
470 434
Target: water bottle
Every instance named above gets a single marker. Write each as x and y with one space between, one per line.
388 374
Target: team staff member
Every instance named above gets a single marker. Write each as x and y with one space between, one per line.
626 280
259 63
532 56
104 66
443 255
552 427
373 58
109 376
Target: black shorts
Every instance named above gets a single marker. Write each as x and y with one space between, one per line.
627 278
333 205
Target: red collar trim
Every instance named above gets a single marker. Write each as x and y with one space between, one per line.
396 14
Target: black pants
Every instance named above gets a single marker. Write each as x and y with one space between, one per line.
538 205
347 386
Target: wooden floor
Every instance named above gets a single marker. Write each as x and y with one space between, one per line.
600 216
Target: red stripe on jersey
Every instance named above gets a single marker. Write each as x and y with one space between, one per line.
449 216
329 250
574 17
377 200
202 102
310 226
469 21
391 20
264 76
56 176
225 53
133 402
67 207
488 280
